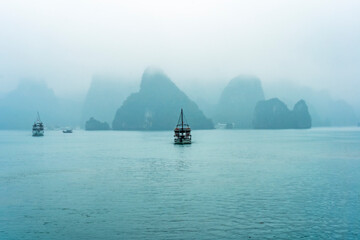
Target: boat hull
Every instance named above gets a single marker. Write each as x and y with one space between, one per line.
38 133
182 141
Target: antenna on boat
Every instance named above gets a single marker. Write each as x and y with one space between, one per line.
38 116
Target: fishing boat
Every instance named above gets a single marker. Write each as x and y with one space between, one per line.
38 127
182 131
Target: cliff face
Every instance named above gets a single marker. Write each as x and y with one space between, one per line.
300 115
157 106
238 101
92 125
274 114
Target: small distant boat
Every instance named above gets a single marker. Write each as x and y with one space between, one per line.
67 131
38 127
182 131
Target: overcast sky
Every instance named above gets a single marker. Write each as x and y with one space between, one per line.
313 43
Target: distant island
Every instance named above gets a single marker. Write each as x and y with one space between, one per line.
238 100
105 96
274 114
156 106
92 125
118 104
18 108
325 111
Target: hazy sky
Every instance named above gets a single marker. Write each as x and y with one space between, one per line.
313 43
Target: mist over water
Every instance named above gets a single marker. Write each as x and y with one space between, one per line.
208 42
73 46
92 92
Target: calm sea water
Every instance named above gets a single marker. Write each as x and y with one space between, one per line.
229 184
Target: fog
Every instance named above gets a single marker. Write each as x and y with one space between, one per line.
66 42
204 44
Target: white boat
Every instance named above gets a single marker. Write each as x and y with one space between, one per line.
38 127
182 131
67 131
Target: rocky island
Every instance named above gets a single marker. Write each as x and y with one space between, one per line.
274 114
156 106
238 100
92 125
104 97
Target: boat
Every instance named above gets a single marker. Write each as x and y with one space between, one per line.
38 127
67 131
182 131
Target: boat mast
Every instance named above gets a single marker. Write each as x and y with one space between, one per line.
182 120
38 116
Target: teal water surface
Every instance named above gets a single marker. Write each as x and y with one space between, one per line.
228 184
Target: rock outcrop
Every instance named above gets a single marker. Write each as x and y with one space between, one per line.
238 100
323 108
92 125
274 114
157 106
300 116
